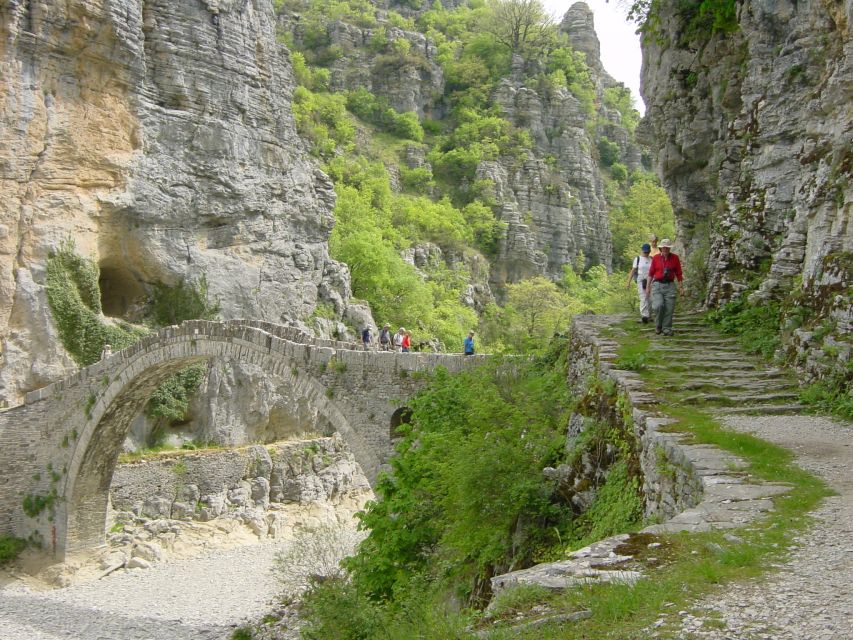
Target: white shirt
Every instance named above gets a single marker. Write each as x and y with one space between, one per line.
642 264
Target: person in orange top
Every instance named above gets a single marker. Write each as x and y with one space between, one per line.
664 272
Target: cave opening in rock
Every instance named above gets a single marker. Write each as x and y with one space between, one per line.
122 294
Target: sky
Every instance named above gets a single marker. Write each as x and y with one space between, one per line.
620 46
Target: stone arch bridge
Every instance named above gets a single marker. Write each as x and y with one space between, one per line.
58 450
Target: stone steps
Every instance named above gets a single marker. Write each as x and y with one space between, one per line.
740 398
746 385
764 409
686 366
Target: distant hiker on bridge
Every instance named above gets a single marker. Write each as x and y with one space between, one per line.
407 342
398 339
385 338
468 348
106 352
640 275
664 271
366 338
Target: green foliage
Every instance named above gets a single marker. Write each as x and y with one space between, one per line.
439 514
701 19
376 110
418 180
522 26
242 633
617 508
833 395
645 211
183 301
757 327
608 151
323 120
74 299
171 399
620 98
374 224
568 68
336 609
10 548
34 504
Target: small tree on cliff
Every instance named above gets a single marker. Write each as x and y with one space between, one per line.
521 25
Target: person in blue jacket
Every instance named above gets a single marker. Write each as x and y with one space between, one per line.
469 344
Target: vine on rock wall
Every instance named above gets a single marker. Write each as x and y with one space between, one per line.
75 302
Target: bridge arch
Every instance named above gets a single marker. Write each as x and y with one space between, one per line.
59 449
81 520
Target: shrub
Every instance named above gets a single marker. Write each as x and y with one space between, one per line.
170 400
440 515
172 304
10 548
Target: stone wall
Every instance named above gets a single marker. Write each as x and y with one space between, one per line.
249 484
671 481
686 487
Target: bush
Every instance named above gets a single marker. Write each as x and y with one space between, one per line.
440 514
608 152
170 400
10 548
183 301
756 327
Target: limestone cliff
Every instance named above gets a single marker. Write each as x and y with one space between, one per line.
753 130
158 135
553 201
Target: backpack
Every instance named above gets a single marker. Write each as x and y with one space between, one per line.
365 335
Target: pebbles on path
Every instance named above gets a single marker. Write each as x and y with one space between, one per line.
810 597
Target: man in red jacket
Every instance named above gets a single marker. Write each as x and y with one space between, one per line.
664 272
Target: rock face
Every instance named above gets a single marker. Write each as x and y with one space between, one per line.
752 132
554 203
159 136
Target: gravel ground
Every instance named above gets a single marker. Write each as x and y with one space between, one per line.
205 597
810 597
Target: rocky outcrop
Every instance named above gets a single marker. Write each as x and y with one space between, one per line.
752 131
159 136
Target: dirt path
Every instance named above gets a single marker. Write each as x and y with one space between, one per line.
809 597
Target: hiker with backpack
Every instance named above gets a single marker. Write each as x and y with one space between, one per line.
385 338
366 338
639 275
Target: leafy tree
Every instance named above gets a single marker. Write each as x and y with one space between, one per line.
523 26
646 210
535 310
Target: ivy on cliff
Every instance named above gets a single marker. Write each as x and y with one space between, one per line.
75 302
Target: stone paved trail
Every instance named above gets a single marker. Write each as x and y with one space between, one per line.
200 598
809 596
